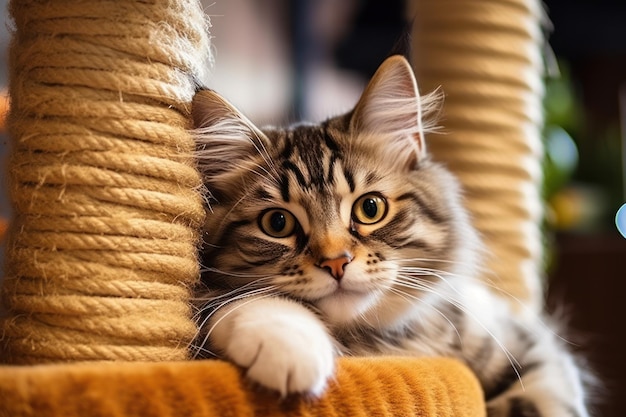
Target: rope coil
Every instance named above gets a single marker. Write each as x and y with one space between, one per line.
104 188
486 56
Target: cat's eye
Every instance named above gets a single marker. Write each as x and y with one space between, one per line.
277 223
369 209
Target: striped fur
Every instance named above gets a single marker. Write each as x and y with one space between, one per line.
407 284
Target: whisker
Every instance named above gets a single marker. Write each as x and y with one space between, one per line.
212 245
258 282
201 350
265 294
256 294
481 269
409 297
229 212
524 306
248 288
410 282
236 274
233 295
217 302
263 173
262 150
434 272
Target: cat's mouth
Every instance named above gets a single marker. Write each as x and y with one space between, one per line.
347 288
345 292
340 292
343 305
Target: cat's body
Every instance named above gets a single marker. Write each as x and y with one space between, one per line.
346 239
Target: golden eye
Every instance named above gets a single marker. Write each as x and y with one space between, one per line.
369 209
277 223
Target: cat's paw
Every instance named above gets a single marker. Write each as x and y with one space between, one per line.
288 354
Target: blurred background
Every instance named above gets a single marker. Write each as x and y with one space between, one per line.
281 61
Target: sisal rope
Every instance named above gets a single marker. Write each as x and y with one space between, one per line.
486 55
102 246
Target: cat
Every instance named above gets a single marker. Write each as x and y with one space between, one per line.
347 238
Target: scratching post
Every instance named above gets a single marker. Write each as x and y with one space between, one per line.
486 55
102 245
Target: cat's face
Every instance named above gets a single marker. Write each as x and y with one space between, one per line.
350 215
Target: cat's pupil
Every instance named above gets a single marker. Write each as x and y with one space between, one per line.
370 208
278 221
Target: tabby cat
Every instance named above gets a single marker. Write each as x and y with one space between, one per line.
346 238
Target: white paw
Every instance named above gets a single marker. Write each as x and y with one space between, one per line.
288 354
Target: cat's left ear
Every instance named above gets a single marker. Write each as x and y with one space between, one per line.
225 142
389 110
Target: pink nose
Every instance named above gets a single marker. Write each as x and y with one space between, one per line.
336 266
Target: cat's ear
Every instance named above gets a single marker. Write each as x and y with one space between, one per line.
209 109
390 110
226 140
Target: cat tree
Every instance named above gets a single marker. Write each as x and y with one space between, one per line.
107 209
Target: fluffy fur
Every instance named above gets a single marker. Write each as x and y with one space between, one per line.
345 238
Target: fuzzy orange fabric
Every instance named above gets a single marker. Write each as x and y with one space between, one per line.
4 225
363 387
4 109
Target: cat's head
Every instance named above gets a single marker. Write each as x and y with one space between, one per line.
351 215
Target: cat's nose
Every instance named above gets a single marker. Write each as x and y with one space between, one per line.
336 266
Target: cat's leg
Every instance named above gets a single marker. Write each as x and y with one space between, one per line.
282 344
543 381
525 368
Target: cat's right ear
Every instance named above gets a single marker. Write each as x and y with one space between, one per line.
226 140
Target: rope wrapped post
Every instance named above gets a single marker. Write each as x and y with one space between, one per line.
102 246
486 55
